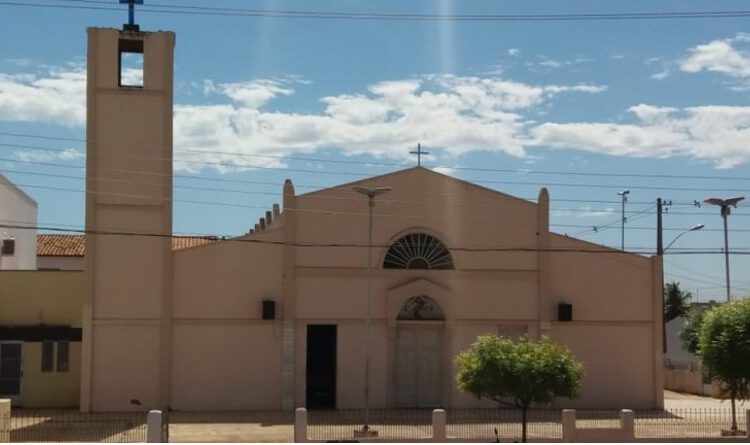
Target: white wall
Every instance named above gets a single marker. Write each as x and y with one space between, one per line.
677 356
17 208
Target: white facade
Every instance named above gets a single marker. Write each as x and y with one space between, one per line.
17 209
677 356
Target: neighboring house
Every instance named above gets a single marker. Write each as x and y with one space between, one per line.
66 252
40 338
60 252
683 369
40 324
677 357
17 245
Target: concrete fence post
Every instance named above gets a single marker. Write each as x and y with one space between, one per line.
627 425
438 425
154 427
300 425
4 420
569 425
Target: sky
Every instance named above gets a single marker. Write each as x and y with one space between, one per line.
584 107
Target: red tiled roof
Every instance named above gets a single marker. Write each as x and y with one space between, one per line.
60 245
75 245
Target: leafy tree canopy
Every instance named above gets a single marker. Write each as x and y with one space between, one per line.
724 347
690 333
676 301
518 373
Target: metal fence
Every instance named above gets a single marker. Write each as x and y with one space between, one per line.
74 426
686 423
391 424
505 424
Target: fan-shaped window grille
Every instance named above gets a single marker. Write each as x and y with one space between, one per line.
420 308
418 251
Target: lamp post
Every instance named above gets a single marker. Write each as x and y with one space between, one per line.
371 193
624 194
725 211
660 251
692 229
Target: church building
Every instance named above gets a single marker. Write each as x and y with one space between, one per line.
278 318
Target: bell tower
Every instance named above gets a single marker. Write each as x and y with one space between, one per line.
127 309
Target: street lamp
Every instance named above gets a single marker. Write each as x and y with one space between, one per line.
624 194
660 252
725 211
371 193
692 229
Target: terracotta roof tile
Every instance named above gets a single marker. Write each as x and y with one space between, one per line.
75 245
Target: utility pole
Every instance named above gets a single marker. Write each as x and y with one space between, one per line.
624 194
659 229
660 253
725 204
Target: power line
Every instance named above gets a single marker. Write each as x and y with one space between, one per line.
401 16
401 165
603 250
349 173
323 186
635 214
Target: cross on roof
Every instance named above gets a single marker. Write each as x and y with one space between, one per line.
419 154
131 26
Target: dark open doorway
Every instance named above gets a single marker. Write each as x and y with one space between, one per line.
321 366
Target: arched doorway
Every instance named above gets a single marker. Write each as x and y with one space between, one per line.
419 353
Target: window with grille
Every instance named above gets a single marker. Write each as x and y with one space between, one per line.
418 251
63 356
48 356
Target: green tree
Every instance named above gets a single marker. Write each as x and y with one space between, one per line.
676 301
690 333
724 348
518 373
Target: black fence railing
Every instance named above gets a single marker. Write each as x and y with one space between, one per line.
505 424
74 426
686 423
394 424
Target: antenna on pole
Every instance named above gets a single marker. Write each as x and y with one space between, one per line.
131 25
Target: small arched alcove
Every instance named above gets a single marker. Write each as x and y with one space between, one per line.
420 308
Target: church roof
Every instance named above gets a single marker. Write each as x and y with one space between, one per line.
75 245
377 180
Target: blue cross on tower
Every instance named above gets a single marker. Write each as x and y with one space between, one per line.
131 26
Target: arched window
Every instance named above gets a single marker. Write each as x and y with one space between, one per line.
418 251
420 308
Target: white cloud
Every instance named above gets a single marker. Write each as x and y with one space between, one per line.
449 171
457 114
67 154
588 212
254 94
513 52
584 212
55 96
718 133
661 75
727 56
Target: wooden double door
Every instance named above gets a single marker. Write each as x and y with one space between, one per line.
419 360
